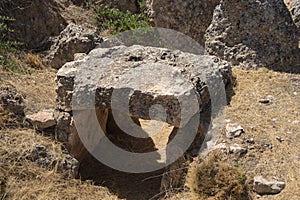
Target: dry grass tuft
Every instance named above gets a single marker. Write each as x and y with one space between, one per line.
216 179
33 61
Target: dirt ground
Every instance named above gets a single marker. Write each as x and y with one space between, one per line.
262 122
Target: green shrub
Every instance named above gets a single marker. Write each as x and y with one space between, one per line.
7 47
117 21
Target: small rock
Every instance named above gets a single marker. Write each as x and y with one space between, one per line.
69 164
231 148
236 148
296 122
41 155
270 146
234 130
263 186
12 101
251 147
249 140
267 100
42 120
279 139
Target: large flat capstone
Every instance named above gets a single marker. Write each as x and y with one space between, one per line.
108 76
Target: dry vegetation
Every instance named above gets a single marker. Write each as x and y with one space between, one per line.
219 176
214 179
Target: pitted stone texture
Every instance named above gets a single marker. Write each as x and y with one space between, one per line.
35 21
147 77
12 101
252 34
186 16
296 14
73 39
128 70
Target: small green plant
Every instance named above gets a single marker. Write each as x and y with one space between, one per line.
117 21
142 5
7 47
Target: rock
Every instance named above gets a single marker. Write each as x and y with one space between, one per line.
234 130
12 101
42 120
35 21
122 5
67 164
296 14
73 39
153 76
62 129
176 59
41 155
296 122
186 16
236 148
231 148
289 3
279 139
264 187
269 99
79 56
70 165
254 34
249 140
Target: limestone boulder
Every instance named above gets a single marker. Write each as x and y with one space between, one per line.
116 87
73 39
186 16
253 34
35 21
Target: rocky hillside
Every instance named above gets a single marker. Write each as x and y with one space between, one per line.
59 57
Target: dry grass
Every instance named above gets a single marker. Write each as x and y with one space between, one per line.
215 179
264 122
33 61
22 179
38 87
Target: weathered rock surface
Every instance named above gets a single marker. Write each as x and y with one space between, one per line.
73 39
123 5
42 120
67 164
151 76
263 186
296 14
234 130
289 3
231 148
186 16
254 34
137 58
12 101
35 21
